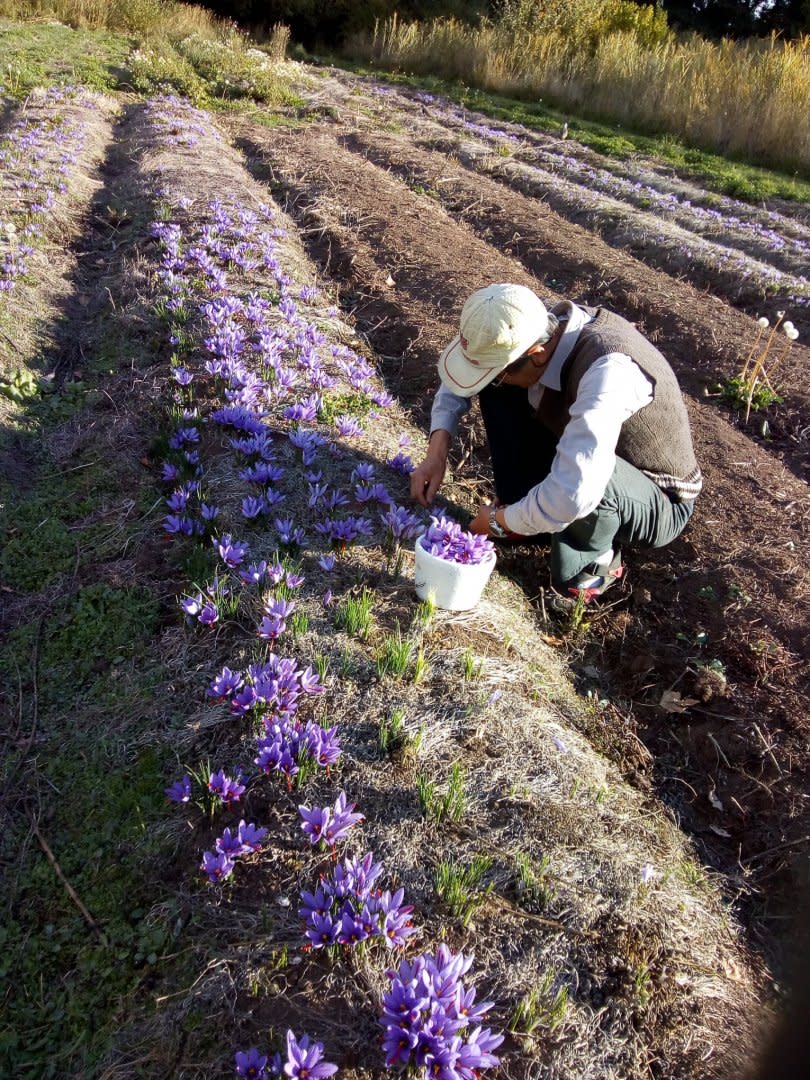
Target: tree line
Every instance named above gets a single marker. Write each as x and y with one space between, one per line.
330 22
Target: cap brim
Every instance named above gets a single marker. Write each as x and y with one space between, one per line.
461 376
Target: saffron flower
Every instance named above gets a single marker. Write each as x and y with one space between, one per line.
401 463
229 844
329 823
225 684
305 1059
447 540
426 1016
348 426
180 790
226 788
251 836
401 523
216 865
288 533
348 908
231 551
250 1063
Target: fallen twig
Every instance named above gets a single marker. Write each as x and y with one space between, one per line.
74 896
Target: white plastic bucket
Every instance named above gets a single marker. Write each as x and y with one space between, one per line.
451 585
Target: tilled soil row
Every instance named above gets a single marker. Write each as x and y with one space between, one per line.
739 251
53 264
704 338
405 268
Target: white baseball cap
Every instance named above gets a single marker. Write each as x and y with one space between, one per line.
498 325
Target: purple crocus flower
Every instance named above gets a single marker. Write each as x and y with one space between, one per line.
255 573
318 903
228 790
180 790
216 865
178 524
243 701
275 573
324 745
269 757
177 500
250 1063
231 551
310 681
272 498
251 836
322 930
401 523
348 426
253 507
396 924
287 532
327 563
209 512
352 930
229 844
209 614
426 1016
314 822
304 1059
192 605
447 540
399 1044
401 463
273 623
363 473
342 820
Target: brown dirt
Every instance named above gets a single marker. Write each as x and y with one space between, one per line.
733 763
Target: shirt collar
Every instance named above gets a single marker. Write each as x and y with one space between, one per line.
573 318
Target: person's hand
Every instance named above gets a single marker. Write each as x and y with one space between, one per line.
426 479
480 523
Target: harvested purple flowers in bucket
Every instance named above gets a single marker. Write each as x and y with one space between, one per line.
452 565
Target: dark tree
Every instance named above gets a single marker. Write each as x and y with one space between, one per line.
738 18
329 22
789 17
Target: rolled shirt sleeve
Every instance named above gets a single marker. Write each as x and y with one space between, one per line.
448 409
611 390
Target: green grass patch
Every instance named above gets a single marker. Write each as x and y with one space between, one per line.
67 983
88 642
40 54
47 531
216 74
348 404
81 680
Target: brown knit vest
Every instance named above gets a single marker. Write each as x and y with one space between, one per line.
657 438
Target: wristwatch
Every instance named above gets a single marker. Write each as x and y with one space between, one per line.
497 530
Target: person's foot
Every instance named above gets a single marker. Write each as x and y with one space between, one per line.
594 580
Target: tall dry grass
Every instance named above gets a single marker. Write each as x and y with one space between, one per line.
746 99
165 18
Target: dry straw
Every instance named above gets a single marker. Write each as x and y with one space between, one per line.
750 98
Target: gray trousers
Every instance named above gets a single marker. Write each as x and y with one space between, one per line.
633 511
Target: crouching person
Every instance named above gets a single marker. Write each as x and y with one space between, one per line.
587 430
